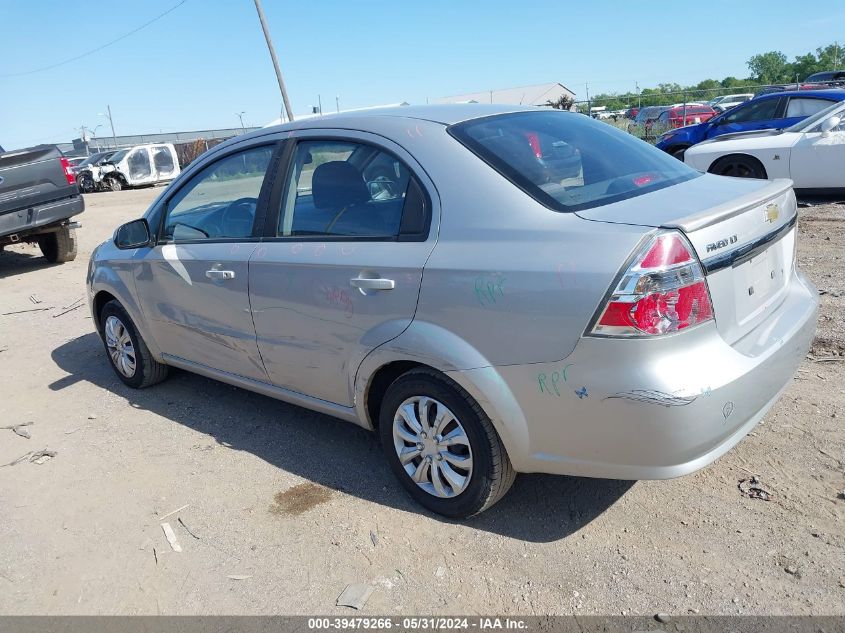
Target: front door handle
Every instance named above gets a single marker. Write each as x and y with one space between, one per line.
220 274
364 283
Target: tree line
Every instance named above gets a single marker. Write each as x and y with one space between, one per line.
768 68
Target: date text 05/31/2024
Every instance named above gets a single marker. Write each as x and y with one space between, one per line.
419 623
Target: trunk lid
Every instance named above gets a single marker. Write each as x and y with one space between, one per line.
742 230
32 176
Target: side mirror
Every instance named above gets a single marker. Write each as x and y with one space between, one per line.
134 234
829 124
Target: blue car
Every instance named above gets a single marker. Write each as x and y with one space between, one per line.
771 111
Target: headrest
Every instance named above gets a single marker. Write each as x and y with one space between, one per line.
338 184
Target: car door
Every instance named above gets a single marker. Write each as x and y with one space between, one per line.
193 285
757 114
818 161
350 226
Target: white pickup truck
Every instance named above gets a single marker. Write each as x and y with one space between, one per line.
140 166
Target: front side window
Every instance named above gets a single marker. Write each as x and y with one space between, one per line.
340 188
573 162
220 201
139 164
755 111
805 107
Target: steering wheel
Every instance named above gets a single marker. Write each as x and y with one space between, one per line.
382 188
238 217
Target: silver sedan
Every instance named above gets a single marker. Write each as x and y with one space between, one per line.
491 289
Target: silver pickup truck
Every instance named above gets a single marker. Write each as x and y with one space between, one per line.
38 198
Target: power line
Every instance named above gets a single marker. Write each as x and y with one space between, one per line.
95 50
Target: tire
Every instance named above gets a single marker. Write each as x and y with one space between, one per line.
115 184
739 167
678 152
59 247
491 473
85 183
117 328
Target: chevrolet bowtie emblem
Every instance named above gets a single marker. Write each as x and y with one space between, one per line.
772 213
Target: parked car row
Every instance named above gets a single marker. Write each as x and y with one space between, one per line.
811 153
769 111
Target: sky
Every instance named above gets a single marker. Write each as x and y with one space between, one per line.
206 60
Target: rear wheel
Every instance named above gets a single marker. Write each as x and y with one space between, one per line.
58 247
739 167
442 446
129 355
115 184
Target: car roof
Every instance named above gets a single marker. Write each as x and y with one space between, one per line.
446 114
837 94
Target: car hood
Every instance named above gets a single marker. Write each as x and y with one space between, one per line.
738 135
690 205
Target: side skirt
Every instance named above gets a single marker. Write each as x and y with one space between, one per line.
291 397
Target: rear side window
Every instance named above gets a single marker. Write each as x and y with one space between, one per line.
567 161
350 190
806 107
163 160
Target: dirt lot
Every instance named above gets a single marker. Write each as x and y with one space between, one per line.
297 505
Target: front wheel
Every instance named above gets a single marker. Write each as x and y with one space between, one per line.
129 355
678 152
739 167
115 184
442 446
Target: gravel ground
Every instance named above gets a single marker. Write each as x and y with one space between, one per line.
290 506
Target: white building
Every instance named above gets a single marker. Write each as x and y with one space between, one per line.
538 95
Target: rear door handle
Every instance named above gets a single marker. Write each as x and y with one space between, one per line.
364 283
220 274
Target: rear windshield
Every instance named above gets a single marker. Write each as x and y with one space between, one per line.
568 161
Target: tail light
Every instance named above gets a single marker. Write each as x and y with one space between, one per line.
662 291
68 169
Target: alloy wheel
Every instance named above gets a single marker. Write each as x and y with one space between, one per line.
432 446
121 349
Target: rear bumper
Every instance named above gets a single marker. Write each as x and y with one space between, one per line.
29 220
652 409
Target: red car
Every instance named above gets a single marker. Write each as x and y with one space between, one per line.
679 116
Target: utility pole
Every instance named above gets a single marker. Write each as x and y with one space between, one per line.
320 104
589 108
639 96
111 122
240 115
337 102
274 58
83 129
